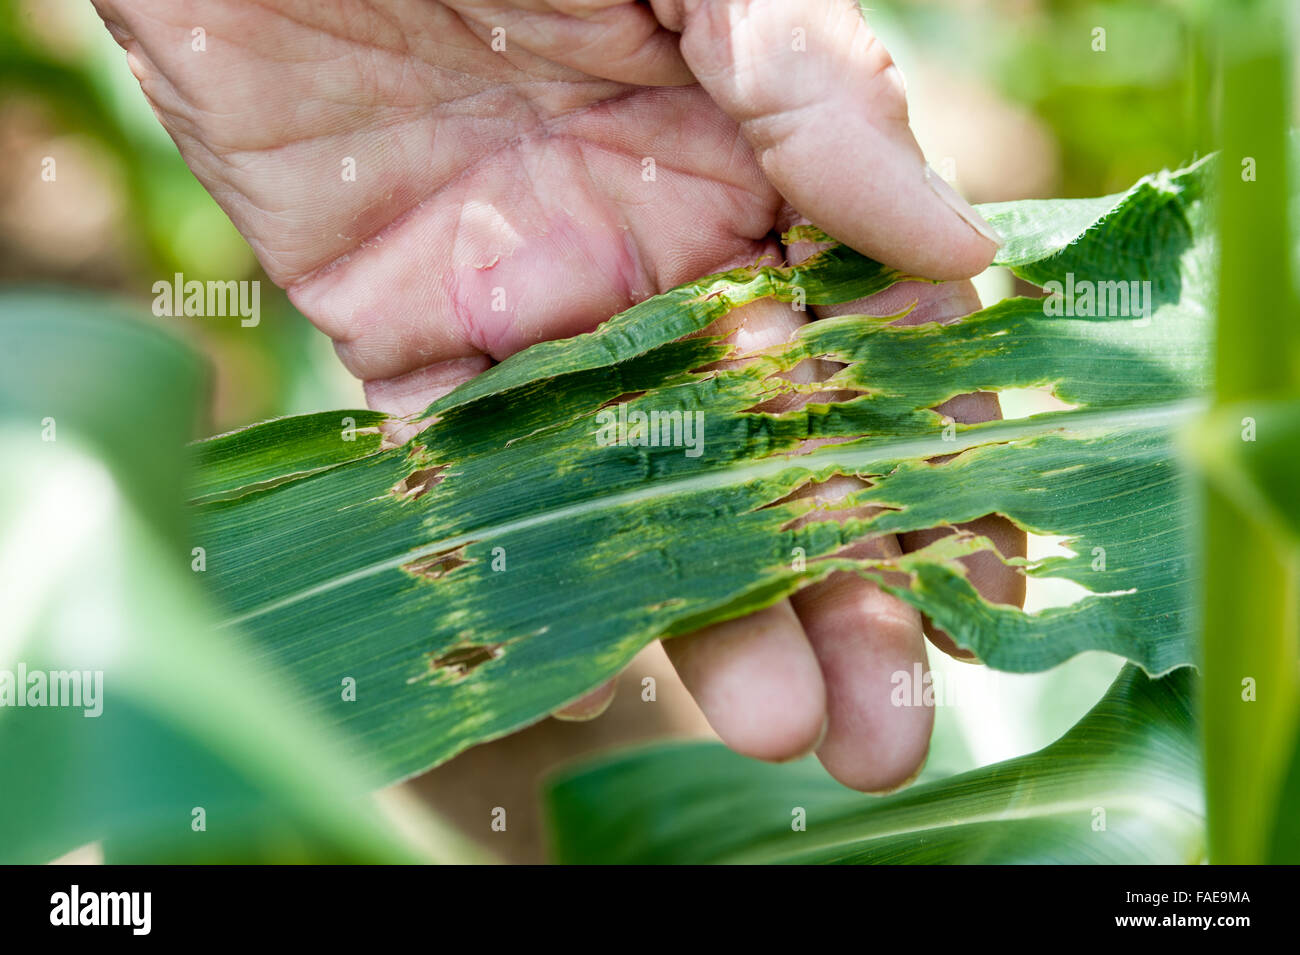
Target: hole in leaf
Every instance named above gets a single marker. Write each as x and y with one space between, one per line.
1048 593
794 400
460 661
622 399
436 566
418 482
1023 402
974 408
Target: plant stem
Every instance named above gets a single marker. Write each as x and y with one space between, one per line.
1249 623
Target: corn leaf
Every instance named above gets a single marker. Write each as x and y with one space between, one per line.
1121 787
524 545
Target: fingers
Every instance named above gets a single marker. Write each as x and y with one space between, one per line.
861 637
866 642
756 679
823 106
994 580
944 303
757 682
864 638
590 705
817 670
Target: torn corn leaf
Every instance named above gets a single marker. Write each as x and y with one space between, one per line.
550 540
229 465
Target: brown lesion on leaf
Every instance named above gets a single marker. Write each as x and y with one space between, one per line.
418 482
622 399
795 397
672 603
459 661
439 565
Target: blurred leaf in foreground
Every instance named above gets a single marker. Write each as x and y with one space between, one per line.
1121 787
180 746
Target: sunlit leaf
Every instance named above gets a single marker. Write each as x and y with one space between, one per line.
509 558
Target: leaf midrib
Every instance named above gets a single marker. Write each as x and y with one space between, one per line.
1137 803
1146 416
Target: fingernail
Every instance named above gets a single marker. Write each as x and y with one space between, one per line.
588 707
960 206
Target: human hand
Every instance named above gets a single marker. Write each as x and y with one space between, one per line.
501 198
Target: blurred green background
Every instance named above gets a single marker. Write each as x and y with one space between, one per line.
128 212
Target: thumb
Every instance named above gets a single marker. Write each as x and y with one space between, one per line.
822 105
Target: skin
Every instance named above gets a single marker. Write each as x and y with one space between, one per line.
521 170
